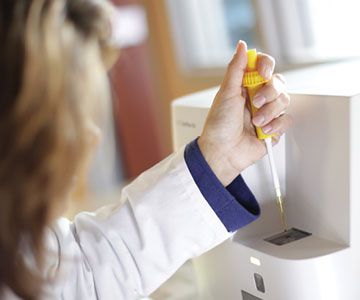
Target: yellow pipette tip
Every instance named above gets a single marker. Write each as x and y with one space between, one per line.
252 57
251 77
253 81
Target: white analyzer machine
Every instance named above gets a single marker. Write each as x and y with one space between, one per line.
319 169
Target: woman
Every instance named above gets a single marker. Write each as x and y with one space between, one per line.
53 60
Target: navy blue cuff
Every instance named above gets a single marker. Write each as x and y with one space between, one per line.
234 205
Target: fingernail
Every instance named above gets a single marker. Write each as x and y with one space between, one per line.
258 120
259 101
267 129
239 44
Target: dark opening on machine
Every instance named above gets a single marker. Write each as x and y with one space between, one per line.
287 236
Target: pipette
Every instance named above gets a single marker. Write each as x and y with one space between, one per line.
253 81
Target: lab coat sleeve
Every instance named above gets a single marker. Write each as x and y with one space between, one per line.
235 205
127 250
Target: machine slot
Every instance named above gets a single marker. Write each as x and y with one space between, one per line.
287 237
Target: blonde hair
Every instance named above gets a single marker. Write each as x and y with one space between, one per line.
51 74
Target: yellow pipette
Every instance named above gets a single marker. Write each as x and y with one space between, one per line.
253 81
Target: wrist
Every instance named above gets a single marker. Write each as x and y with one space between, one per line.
218 160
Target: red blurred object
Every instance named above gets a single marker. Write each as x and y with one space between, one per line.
138 111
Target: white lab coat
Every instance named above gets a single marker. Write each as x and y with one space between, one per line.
127 251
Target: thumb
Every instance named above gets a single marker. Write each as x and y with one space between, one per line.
231 85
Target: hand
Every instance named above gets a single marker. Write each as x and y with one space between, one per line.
228 141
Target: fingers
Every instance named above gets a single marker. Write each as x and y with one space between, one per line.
265 65
271 110
276 139
231 85
270 91
279 125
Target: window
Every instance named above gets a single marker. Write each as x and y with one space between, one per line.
240 21
293 31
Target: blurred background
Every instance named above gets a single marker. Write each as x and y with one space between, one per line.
174 47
